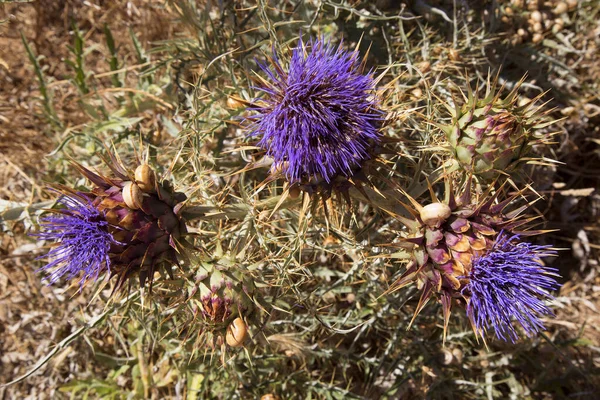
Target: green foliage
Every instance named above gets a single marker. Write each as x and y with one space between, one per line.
46 95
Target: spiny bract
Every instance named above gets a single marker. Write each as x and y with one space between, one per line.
320 118
223 291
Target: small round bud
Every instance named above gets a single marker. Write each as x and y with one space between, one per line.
453 55
537 27
269 397
435 214
446 357
144 177
559 22
572 4
560 8
416 94
236 333
533 5
132 195
424 66
536 16
537 38
458 355
522 33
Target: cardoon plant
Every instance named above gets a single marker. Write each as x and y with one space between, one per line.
319 119
127 225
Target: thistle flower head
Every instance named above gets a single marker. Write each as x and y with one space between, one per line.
220 291
83 237
510 283
320 118
127 224
457 246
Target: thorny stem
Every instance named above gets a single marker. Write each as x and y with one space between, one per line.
240 211
144 370
236 211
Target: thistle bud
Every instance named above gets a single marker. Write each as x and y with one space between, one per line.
493 134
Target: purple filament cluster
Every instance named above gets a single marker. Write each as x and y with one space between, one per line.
510 284
83 240
320 118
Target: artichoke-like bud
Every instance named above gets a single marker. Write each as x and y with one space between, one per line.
223 297
445 240
222 288
127 225
492 134
223 291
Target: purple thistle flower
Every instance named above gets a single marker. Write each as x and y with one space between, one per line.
320 118
509 283
84 240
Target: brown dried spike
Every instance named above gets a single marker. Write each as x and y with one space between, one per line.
446 300
405 279
465 197
96 179
426 294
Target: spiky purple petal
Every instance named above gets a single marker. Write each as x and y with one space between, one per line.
83 240
510 283
320 118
